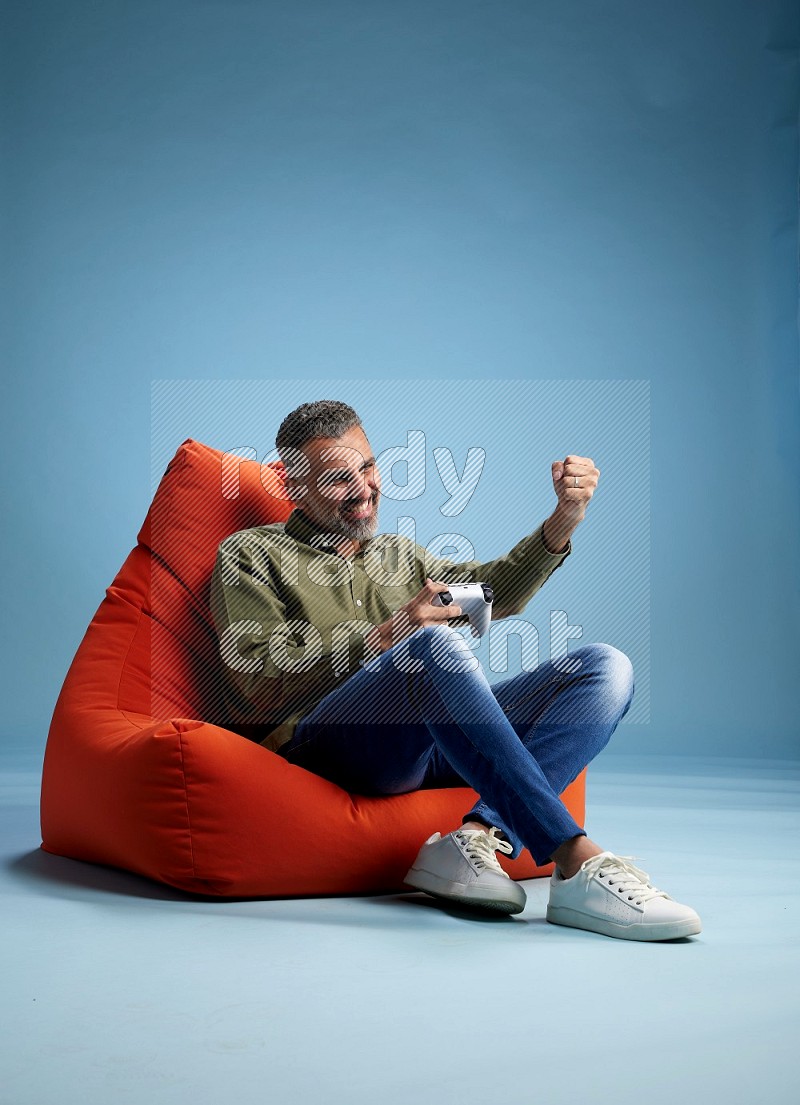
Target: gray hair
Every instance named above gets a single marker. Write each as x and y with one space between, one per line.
324 418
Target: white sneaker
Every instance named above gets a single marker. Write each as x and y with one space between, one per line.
463 868
611 896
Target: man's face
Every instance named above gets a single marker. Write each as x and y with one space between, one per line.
342 485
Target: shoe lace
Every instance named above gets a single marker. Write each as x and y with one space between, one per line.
629 881
481 846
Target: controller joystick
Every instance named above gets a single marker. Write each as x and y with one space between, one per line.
475 600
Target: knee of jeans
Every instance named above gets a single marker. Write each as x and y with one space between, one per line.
445 646
612 664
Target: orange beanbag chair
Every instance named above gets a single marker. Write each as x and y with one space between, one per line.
137 774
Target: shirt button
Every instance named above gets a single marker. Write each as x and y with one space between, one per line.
358 602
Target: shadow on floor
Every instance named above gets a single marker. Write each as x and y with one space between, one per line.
74 879
43 868
57 876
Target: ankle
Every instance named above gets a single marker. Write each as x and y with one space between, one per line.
572 854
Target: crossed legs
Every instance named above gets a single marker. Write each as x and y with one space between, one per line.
423 714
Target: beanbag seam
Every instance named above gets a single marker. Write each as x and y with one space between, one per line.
124 665
186 799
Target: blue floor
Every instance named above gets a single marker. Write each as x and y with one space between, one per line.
118 990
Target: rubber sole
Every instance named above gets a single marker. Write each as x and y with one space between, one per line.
469 896
666 930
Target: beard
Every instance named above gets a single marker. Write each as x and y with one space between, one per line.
355 529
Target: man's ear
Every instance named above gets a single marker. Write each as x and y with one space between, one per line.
296 467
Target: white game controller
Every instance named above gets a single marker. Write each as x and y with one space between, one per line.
475 600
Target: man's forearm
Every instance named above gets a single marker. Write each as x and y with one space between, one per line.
379 638
558 528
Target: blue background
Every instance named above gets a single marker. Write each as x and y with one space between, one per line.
414 192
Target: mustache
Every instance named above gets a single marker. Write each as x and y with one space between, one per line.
348 504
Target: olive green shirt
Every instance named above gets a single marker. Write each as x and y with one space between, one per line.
292 614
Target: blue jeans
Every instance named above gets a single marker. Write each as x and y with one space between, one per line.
423 714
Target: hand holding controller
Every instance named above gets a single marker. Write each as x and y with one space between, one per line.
475 600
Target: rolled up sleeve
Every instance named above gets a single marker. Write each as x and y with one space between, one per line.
515 577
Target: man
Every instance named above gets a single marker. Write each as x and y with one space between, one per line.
335 649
